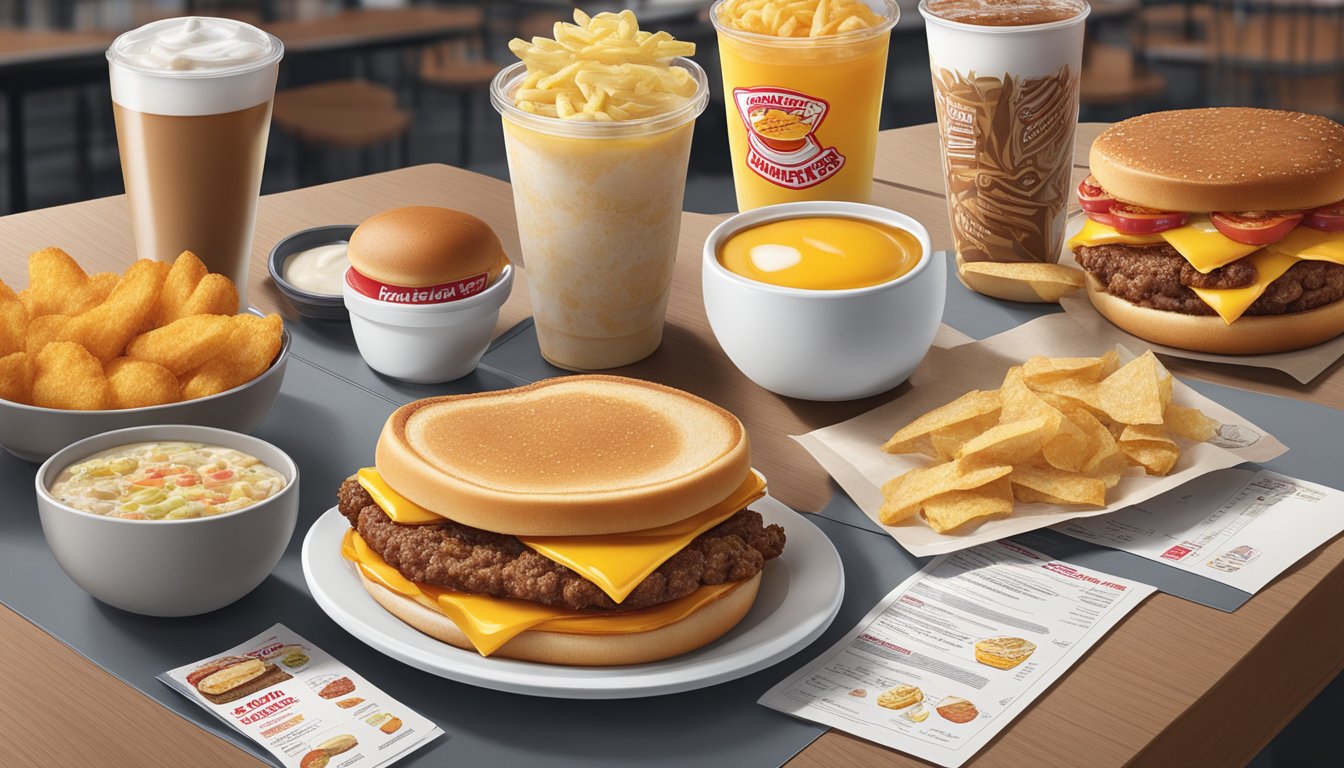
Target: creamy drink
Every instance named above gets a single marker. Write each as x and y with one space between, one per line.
192 101
598 127
1005 82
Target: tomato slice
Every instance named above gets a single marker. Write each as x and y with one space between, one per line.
1136 220
1092 197
1101 218
1327 218
1256 227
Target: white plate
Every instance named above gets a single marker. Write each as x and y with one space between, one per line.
799 596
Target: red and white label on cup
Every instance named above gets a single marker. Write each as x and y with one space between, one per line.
428 294
782 145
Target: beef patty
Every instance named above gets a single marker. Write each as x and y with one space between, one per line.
466 559
1158 277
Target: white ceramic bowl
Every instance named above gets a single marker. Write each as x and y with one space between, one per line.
426 343
824 344
169 567
32 433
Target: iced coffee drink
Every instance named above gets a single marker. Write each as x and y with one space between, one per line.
1005 80
598 124
192 101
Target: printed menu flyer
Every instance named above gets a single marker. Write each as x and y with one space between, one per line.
303 706
957 651
1236 526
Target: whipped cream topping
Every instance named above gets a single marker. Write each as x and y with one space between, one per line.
194 43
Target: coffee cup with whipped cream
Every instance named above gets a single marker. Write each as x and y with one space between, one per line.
192 101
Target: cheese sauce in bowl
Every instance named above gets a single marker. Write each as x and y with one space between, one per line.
166 481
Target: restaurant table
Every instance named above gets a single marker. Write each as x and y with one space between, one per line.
1174 683
366 29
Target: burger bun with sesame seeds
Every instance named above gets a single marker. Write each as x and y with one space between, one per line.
1222 159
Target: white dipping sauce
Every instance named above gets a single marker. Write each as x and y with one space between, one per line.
318 270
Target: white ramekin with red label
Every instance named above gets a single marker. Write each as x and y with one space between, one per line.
424 290
425 342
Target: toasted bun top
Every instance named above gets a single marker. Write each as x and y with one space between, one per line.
578 455
1222 159
422 245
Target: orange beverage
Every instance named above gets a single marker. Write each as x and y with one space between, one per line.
804 93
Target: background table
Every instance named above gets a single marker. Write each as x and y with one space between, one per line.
33 60
1174 681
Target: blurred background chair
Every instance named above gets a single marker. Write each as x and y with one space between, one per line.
1287 54
461 69
342 114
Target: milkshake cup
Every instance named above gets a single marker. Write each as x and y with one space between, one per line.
192 98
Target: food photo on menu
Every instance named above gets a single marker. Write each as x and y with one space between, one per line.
874 382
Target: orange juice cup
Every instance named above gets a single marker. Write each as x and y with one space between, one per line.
803 111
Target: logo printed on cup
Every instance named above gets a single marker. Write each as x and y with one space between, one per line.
429 294
781 135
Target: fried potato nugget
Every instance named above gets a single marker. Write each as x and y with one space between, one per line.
214 295
135 383
183 344
67 376
13 321
252 346
16 378
44 330
106 329
53 279
96 290
57 285
182 278
190 290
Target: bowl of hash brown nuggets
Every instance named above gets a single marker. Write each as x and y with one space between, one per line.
161 343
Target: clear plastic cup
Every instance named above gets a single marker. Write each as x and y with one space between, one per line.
599 208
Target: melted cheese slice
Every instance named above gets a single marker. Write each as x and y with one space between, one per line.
490 622
1312 244
1231 303
1198 241
1096 233
616 563
397 507
1204 246
1207 249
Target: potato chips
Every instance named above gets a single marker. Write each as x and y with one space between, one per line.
1024 279
1058 431
797 18
603 68
97 342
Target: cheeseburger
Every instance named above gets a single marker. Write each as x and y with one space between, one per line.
587 520
1217 230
